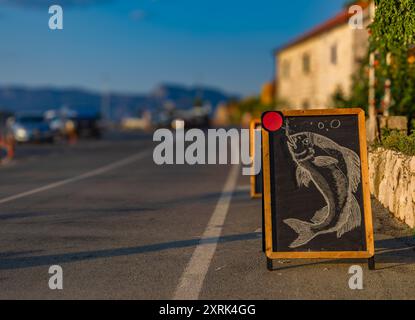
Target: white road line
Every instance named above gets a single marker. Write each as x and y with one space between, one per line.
84 176
192 279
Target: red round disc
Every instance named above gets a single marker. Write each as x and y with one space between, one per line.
272 121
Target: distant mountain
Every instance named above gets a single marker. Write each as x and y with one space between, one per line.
184 97
17 99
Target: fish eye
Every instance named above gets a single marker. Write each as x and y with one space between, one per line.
306 142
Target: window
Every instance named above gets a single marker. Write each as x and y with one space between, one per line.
286 69
333 54
306 63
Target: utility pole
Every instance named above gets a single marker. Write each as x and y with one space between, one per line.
372 132
387 101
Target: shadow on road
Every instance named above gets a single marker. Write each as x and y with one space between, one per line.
400 251
208 198
396 251
48 260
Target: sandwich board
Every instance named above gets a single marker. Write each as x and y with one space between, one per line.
316 187
255 145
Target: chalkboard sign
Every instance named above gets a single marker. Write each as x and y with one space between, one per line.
255 145
316 191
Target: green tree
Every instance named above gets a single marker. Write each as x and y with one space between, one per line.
393 32
358 97
251 105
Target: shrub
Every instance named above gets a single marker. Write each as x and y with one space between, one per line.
398 141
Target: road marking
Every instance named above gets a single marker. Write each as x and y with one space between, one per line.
243 188
192 279
90 174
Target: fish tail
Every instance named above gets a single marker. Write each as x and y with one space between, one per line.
303 229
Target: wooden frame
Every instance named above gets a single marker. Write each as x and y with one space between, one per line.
254 123
370 248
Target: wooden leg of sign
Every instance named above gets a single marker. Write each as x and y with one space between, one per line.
269 264
372 264
263 227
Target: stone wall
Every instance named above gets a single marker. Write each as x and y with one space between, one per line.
392 182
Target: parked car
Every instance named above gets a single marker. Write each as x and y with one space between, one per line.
88 124
60 121
196 117
30 128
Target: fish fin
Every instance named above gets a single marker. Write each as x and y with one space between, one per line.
303 229
324 142
303 177
353 167
351 159
320 215
353 217
324 161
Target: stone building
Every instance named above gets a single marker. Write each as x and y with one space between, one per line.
312 67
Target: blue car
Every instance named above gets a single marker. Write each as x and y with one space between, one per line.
30 128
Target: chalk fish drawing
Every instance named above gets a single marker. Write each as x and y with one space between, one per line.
335 171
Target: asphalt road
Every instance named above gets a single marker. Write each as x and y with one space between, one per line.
123 228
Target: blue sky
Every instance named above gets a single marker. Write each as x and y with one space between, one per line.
132 46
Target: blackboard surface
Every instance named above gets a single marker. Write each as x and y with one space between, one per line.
258 184
316 197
